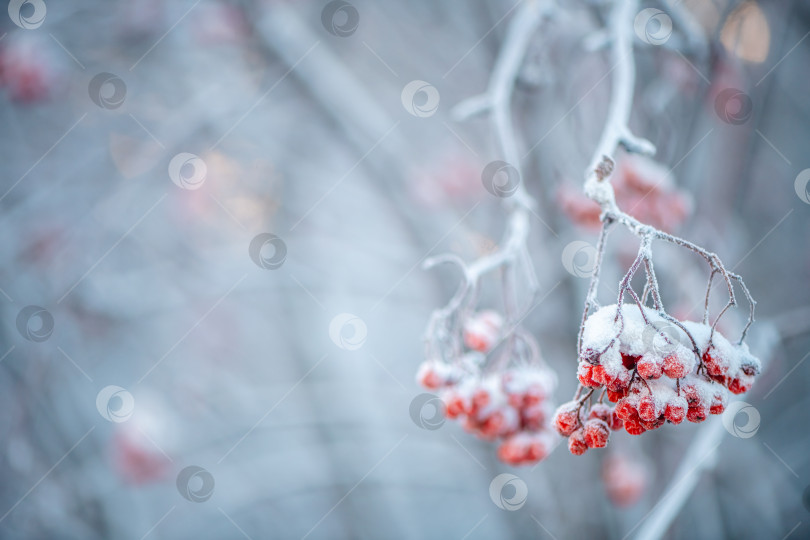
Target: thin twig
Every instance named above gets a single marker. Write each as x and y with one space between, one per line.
513 253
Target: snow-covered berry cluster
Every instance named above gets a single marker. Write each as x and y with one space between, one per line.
655 370
511 404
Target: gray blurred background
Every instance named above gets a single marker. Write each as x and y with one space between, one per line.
303 135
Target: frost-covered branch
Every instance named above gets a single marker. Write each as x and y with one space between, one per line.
512 254
598 187
656 368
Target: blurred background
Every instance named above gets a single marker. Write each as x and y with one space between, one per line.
214 215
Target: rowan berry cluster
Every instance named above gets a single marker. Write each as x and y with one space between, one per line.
510 404
655 370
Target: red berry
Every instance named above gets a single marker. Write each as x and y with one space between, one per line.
629 361
619 382
654 424
675 412
613 397
536 451
673 367
533 418
714 366
510 452
616 423
454 406
598 375
633 426
480 399
718 405
601 411
646 409
649 368
576 442
491 427
596 433
696 414
585 375
534 394
430 379
625 410
566 419
737 386
481 331
691 394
